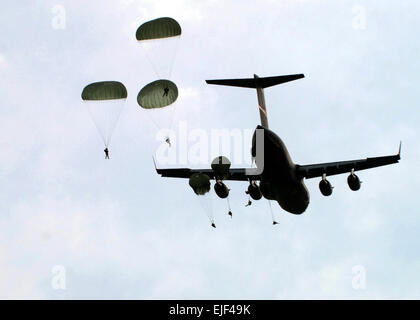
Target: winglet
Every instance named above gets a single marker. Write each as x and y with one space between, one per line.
154 162
399 150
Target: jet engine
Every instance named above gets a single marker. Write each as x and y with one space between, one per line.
353 181
325 187
254 191
221 166
221 189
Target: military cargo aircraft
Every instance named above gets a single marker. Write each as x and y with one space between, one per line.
279 178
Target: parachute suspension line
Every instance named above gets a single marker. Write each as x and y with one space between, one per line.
206 204
160 37
230 210
212 223
112 129
97 127
249 201
157 98
171 65
171 119
167 140
172 116
145 53
101 98
272 214
211 218
249 196
154 122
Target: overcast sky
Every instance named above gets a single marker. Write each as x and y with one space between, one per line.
118 230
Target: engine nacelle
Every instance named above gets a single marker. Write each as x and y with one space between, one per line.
200 183
353 182
221 166
221 189
325 187
254 191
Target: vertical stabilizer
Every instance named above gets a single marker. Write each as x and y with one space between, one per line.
261 103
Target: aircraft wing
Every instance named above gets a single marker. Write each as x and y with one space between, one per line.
237 174
332 168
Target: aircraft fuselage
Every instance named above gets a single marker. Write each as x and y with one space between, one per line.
278 179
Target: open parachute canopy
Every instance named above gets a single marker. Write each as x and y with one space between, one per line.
158 40
158 29
157 94
104 90
200 183
105 101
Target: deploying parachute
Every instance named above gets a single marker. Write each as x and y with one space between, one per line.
159 40
200 183
105 101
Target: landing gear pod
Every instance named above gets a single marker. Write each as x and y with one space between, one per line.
200 183
221 166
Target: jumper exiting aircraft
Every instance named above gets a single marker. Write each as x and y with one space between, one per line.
280 179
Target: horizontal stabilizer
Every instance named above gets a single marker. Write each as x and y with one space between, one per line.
256 82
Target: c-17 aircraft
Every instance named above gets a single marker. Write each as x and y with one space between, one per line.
280 178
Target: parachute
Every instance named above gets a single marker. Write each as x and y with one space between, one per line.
156 98
157 94
104 90
221 165
105 101
159 41
200 183
158 29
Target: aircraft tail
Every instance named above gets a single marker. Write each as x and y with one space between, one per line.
259 84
